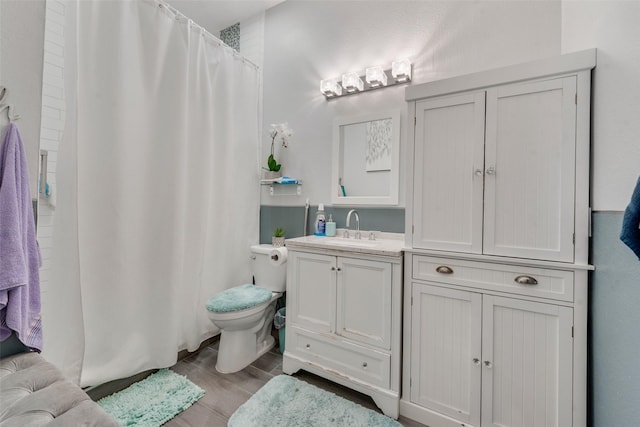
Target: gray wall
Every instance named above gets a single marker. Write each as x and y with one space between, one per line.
291 218
614 317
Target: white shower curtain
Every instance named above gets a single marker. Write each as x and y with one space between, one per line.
158 197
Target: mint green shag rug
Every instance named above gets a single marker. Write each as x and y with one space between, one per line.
152 401
288 402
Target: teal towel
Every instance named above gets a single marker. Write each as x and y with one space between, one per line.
630 233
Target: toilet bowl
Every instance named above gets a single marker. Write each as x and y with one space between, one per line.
245 313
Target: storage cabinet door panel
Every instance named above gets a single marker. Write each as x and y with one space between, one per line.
364 301
530 170
311 290
527 352
445 351
449 160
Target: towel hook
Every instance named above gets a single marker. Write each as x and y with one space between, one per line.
3 94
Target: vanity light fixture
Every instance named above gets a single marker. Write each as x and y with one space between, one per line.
330 88
373 78
376 76
401 70
352 82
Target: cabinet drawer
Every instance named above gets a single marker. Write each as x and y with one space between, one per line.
529 281
343 357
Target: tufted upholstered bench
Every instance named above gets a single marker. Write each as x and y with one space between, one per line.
33 392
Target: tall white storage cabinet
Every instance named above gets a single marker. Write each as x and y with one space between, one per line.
496 269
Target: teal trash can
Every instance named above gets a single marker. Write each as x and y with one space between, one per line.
279 322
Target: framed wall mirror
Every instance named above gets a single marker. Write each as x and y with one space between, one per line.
366 159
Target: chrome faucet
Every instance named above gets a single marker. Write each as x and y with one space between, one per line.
346 231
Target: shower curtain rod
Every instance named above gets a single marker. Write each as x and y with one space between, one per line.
215 39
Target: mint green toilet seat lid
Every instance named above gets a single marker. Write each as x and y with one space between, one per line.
238 298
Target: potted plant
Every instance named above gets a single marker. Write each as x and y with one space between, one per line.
281 130
278 237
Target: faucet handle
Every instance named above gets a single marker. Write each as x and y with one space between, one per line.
345 234
372 235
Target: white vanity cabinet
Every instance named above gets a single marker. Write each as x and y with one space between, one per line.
496 264
343 320
486 359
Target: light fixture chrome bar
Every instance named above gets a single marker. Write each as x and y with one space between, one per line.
373 78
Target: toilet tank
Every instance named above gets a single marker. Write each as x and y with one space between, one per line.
266 274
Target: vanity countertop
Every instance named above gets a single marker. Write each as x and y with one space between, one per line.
389 244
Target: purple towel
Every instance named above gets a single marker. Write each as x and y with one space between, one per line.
19 251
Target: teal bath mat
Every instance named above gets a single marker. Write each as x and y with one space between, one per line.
152 401
288 402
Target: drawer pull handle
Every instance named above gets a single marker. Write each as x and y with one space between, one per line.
364 364
443 269
526 280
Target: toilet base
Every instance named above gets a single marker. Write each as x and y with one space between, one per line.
239 347
228 358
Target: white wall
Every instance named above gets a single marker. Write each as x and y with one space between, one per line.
306 41
21 47
613 28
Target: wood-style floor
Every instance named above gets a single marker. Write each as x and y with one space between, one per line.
224 393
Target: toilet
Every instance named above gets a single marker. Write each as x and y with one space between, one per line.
245 313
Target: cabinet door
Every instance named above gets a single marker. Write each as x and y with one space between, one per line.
527 352
364 301
311 291
448 180
530 170
446 351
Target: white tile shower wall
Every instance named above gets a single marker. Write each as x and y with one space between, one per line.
52 126
252 39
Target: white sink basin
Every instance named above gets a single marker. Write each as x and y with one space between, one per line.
385 243
341 241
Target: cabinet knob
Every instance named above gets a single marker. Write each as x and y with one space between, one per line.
333 269
477 172
491 171
364 364
443 269
476 361
526 280
488 364
308 346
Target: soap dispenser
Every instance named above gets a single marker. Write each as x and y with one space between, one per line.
320 224
330 227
